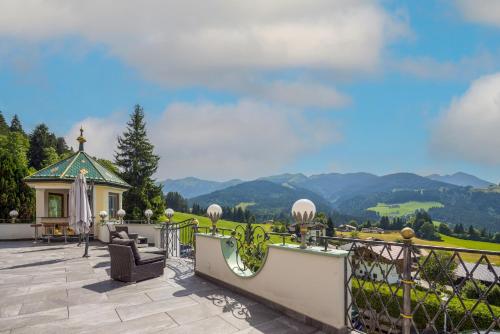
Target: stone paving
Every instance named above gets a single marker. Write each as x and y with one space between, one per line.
52 289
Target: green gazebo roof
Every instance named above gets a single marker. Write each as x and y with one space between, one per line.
69 168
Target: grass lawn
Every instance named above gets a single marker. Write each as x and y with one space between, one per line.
389 236
245 205
446 242
403 209
205 221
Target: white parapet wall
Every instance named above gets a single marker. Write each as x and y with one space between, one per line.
150 231
310 282
17 231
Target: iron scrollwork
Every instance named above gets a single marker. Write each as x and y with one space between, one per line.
251 244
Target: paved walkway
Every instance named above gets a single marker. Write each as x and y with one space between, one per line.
52 289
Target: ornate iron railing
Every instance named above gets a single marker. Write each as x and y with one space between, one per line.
177 238
402 287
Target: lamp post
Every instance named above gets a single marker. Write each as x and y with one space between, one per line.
169 213
121 213
148 213
13 215
303 212
103 214
214 212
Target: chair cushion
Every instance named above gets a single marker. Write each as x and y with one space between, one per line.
131 244
123 235
149 258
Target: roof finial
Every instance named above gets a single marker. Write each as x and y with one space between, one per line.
81 139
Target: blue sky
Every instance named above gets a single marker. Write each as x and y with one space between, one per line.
303 86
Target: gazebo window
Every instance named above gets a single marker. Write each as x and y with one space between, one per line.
113 205
56 204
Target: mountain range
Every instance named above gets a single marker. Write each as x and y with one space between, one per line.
461 179
466 199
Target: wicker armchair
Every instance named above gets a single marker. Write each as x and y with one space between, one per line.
128 265
120 228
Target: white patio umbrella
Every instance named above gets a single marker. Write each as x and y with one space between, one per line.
80 215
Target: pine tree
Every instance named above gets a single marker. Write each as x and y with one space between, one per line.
40 139
473 234
138 163
15 125
4 128
61 146
444 229
458 229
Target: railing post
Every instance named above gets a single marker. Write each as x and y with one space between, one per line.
167 228
407 234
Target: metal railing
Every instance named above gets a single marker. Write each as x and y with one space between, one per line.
396 287
177 238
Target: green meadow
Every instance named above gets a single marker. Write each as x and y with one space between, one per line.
403 209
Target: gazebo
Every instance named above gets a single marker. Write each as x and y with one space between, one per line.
52 186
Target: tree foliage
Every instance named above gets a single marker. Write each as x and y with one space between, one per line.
175 201
438 268
40 140
14 193
137 163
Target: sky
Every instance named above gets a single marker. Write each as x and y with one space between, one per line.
243 89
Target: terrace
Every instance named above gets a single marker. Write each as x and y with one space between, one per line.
248 279
52 289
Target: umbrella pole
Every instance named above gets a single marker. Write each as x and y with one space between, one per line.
86 254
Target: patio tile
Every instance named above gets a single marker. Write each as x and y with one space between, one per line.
128 299
156 323
33 318
194 313
243 317
213 325
43 305
52 289
10 310
142 310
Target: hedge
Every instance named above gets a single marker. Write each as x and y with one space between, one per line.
481 314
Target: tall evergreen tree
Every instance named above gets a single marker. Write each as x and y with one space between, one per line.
15 125
175 201
137 163
4 128
40 139
61 146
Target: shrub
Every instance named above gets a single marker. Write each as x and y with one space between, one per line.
470 291
377 294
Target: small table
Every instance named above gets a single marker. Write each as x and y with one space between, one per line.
36 226
51 227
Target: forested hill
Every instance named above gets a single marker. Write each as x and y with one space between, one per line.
263 198
191 186
352 194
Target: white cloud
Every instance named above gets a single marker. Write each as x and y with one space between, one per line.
101 134
301 94
465 68
215 42
481 11
246 139
469 129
